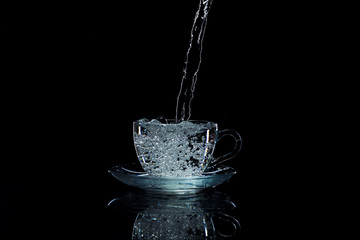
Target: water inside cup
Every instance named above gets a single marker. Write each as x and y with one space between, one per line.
183 149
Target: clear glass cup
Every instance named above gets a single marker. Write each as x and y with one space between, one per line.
182 149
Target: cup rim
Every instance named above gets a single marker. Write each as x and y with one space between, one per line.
173 122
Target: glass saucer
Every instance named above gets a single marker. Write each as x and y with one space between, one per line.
171 185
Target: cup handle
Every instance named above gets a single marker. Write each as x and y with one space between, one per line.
228 219
238 144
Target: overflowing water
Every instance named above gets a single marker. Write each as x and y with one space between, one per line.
192 62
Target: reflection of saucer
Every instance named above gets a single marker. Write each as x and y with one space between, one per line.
207 201
172 185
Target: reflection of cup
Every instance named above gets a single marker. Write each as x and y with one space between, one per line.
182 149
180 224
159 223
179 217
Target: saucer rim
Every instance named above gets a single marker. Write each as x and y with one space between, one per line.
129 173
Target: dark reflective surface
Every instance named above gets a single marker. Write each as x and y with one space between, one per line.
201 216
111 210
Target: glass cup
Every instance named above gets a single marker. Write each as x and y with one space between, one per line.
182 149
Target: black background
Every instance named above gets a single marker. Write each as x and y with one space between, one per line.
79 75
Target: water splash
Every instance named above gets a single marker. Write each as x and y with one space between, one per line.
192 62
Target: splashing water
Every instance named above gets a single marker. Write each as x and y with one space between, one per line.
191 69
